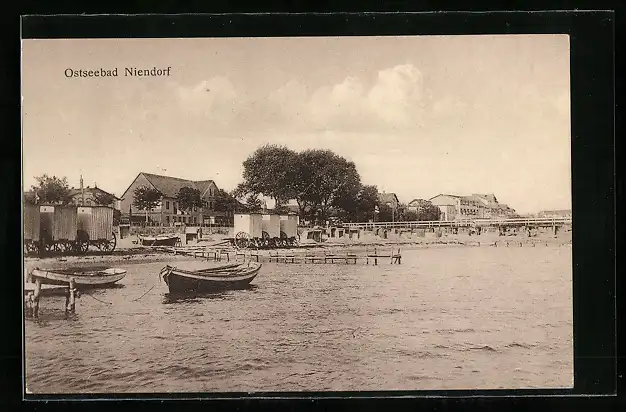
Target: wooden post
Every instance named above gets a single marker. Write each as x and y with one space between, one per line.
36 298
375 257
70 300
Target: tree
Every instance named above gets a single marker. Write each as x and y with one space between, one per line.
103 199
226 202
146 198
426 211
52 190
367 203
324 180
253 203
269 171
188 199
30 198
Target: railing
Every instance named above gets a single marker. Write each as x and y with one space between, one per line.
537 221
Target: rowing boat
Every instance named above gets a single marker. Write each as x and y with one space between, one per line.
82 277
160 240
226 277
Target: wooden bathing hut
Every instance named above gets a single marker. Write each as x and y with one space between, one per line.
95 226
58 229
32 222
289 225
270 224
289 230
247 229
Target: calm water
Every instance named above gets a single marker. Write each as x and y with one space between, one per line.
450 318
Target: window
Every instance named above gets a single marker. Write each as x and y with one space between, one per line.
167 219
211 192
167 205
211 205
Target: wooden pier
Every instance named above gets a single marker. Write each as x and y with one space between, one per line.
369 256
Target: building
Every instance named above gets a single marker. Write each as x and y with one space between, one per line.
167 212
565 213
476 206
389 199
91 196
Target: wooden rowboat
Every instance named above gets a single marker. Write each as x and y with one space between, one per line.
82 277
226 277
160 240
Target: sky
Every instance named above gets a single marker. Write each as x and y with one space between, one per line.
419 115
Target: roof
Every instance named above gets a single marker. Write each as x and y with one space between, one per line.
444 194
387 197
74 191
490 197
170 186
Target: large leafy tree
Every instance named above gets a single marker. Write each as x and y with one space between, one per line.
189 198
53 190
425 210
226 202
253 203
269 171
146 198
324 180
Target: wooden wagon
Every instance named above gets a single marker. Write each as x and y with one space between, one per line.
58 229
288 231
248 230
95 228
31 223
61 228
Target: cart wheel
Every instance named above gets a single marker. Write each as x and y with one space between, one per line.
241 240
108 245
81 245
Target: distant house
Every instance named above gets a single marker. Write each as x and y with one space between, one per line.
476 206
389 199
88 197
168 212
564 213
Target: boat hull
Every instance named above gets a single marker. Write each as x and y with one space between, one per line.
210 281
100 278
159 241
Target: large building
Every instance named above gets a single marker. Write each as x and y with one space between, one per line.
476 206
91 196
167 212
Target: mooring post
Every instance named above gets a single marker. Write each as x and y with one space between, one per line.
375 257
36 298
70 306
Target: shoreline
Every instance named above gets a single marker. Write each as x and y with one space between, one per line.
144 254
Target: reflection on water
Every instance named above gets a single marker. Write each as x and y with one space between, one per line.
182 297
449 318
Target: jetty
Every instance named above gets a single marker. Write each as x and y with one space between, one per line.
372 256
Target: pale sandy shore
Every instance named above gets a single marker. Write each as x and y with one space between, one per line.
128 252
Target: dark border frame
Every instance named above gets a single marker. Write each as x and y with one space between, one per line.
593 162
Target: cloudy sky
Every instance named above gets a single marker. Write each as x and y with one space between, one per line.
419 116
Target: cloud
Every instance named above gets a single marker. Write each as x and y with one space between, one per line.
396 99
216 100
398 96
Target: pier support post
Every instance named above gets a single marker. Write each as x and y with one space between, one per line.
36 296
70 299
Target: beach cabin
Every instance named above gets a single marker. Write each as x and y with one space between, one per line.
58 223
250 224
289 225
31 223
96 222
270 224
